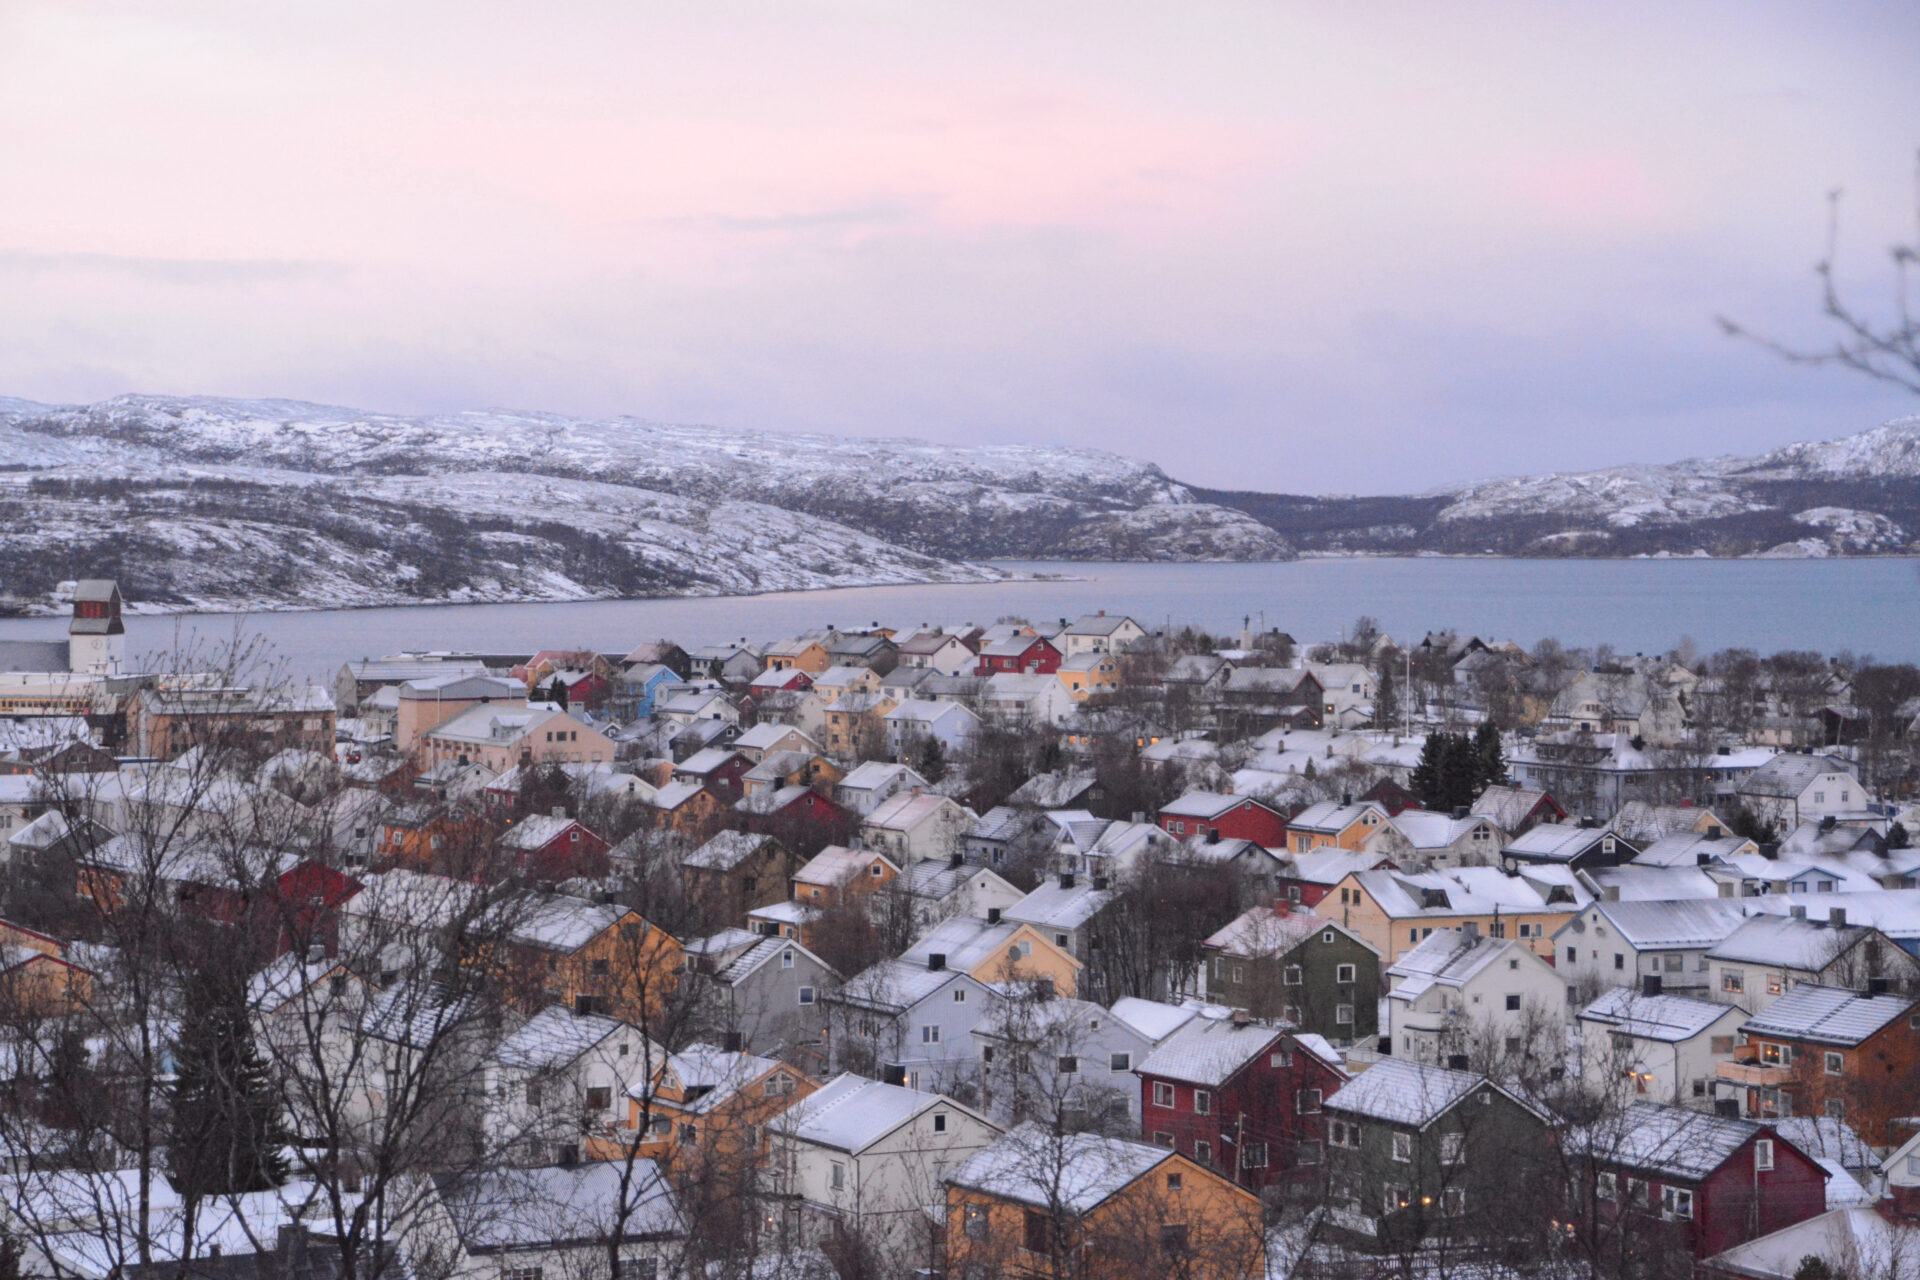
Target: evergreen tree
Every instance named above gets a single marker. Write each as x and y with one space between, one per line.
1492 770
1897 837
1386 701
226 1134
1459 771
1426 779
931 760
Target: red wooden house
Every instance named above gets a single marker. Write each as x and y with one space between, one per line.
800 817
553 847
1021 655
1200 813
718 769
1674 1176
1239 1096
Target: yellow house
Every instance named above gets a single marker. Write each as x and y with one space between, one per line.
1330 825
1087 674
996 950
704 1110
1393 911
589 956
799 654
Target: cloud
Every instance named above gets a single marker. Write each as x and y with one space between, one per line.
204 272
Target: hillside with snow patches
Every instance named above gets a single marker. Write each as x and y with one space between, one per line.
208 503
201 503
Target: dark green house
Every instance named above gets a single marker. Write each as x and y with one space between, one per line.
1418 1153
1297 967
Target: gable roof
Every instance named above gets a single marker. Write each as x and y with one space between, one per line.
850 1113
1075 1172
554 1037
1786 776
1827 1015
1448 958
1789 942
1411 1093
1667 1018
1674 1142
1211 1048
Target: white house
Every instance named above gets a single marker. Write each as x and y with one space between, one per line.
1099 633
1026 700
916 1016
1616 943
1059 1058
867 786
1791 789
1769 955
525 1224
1061 908
1416 838
1644 1044
1461 993
908 828
868 1157
559 1074
938 891
917 720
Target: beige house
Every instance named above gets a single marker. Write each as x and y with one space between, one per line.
910 827
504 737
429 701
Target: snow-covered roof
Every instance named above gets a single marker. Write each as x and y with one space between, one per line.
1052 907
554 1037
1073 1172
1507 807
1330 817
894 985
850 1113
1261 932
1152 1018
1424 829
1447 958
1401 1092
1786 776
966 941
1201 804
535 831
1687 848
1555 842
726 850
1827 1015
834 865
1679 924
557 921
1209 1049
500 1209
1787 942
721 1073
905 811
1826 1138
1667 1018
1853 1235
1673 1142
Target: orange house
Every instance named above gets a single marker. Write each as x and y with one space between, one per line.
35 979
434 838
809 656
688 808
831 877
707 1106
1123 1209
1339 826
593 957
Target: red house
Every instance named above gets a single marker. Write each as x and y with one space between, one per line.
799 817
1677 1176
718 769
1200 813
1022 655
554 847
1239 1096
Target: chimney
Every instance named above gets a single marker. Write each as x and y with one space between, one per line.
732 1042
1456 1062
1139 816
1879 986
1471 931
559 811
1460 811
1346 799
936 961
893 1073
954 861
1241 1018
993 915
317 953
1797 912
1702 859
1837 917
1649 984
1610 893
1100 882
1066 879
1713 831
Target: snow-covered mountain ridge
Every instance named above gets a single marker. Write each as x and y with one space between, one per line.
214 503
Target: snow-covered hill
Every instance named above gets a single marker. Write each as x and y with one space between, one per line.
220 503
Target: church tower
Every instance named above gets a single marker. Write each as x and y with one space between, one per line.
96 638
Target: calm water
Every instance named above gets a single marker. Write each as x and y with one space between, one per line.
1867 606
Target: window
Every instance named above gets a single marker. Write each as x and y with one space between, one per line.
806 995
1202 1102
1253 1155
523 1273
1280 1058
1837 1108
1067 1065
1453 1201
1721 1045
1772 1055
1293 975
1619 961
1676 1203
776 1086
1203 1153
1328 935
1763 1153
1603 1186
1162 1095
1733 982
1174 1182
1343 1133
959 995
939 1122
786 959
1776 984
1394 1198
1343 1015
1239 973
533 1093
599 968
1403 1147
1345 973
986 1053
1163 1140
930 1034
1039 1233
1513 1002
599 1099
1572 955
1173 1237
974 1219
837 1178
1306 1153
1835 1063
1306 1102
1120 1062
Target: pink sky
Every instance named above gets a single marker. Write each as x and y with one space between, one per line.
1279 246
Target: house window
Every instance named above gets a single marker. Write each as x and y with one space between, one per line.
1837 1108
1203 1153
1676 1203
1453 1201
599 1099
1306 1102
1619 960
1279 1059
1603 1186
1572 955
1763 1154
1239 973
600 968
1453 1148
1328 935
1343 1015
786 959
1343 1133
523 1273
1120 1062
1345 973
959 995
939 1122
1068 1065
1776 984
1293 975
533 1093
1836 1063
1039 1233
1173 1237
1403 1147
1732 981
1513 1002
1163 1140
930 1034
1202 1102
1174 1182
777 1086
1772 1055
1162 1095
974 1218
1394 1198
637 1269
806 995
1253 1155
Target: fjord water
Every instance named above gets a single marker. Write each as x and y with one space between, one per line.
1868 606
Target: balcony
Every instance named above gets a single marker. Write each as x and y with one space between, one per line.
1754 1075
